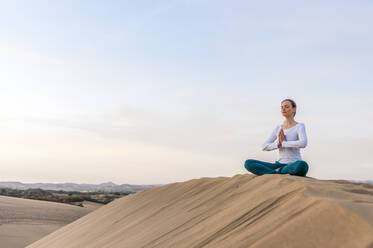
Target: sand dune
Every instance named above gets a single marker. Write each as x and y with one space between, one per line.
240 212
23 221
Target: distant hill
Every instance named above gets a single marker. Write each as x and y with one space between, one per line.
71 197
103 187
361 181
23 221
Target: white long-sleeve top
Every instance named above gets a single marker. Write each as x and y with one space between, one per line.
296 138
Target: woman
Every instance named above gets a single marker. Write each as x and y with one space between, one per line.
288 138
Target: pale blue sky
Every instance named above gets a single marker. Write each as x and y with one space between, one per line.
162 91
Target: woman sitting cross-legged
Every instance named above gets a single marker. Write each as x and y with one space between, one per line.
288 138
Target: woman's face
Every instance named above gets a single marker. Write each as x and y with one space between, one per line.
287 109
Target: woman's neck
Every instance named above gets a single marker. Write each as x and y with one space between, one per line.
289 121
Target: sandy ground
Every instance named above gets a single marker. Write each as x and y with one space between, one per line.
239 212
23 221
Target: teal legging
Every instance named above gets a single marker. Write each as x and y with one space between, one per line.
297 168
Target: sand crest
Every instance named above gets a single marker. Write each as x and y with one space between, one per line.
239 211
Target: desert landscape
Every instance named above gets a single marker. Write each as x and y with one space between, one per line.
241 211
186 124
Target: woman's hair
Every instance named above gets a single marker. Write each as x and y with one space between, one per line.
293 104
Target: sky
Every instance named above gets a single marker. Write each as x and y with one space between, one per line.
155 92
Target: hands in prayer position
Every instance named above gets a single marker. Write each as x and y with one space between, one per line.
281 137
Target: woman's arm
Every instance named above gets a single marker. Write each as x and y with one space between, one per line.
301 142
272 142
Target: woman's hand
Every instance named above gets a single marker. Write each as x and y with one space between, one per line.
281 137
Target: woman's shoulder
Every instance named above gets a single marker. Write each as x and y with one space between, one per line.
301 125
278 127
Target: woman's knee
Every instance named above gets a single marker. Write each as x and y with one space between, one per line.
249 162
302 167
302 164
